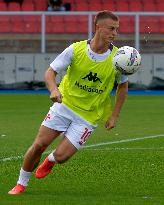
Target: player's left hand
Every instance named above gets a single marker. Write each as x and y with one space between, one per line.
111 123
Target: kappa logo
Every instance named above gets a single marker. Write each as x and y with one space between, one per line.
92 77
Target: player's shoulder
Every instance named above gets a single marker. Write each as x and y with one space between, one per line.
79 43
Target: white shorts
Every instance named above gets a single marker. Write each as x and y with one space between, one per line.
75 128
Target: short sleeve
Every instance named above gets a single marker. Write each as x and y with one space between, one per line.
120 78
63 60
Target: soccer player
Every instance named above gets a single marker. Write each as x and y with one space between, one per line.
81 101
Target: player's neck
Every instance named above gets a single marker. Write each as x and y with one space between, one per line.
98 46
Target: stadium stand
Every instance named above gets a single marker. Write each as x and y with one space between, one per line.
14 6
73 26
86 5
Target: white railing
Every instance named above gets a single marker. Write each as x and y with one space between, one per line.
90 15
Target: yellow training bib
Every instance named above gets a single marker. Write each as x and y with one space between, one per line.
87 84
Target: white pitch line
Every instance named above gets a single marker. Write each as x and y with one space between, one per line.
122 141
90 146
126 148
10 158
17 157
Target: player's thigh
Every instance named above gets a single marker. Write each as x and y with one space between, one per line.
64 150
46 135
75 136
53 124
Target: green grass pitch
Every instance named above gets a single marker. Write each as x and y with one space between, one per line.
119 173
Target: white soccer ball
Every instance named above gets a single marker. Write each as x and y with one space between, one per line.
127 60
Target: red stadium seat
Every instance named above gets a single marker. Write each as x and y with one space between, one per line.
31 18
71 24
109 6
83 24
56 28
28 7
161 20
5 19
151 1
17 27
57 19
149 24
122 1
122 6
40 5
55 24
31 24
5 27
95 6
149 6
13 6
107 1
160 6
98 1
3 6
135 6
28 1
16 18
71 1
70 18
5 24
83 1
82 19
71 27
82 6
126 24
30 27
154 25
48 27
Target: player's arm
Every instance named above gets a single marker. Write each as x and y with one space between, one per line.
50 76
60 63
121 93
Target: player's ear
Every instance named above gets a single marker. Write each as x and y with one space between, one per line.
97 26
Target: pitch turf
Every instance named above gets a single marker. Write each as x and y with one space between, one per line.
122 173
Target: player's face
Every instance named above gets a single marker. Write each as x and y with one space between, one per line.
107 29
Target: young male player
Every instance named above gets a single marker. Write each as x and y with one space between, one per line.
81 100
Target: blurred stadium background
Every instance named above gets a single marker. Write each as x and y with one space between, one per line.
31 37
128 168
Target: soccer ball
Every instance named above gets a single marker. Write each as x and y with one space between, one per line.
127 60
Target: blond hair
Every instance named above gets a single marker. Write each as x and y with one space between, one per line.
104 15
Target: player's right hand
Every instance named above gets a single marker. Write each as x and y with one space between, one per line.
56 96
